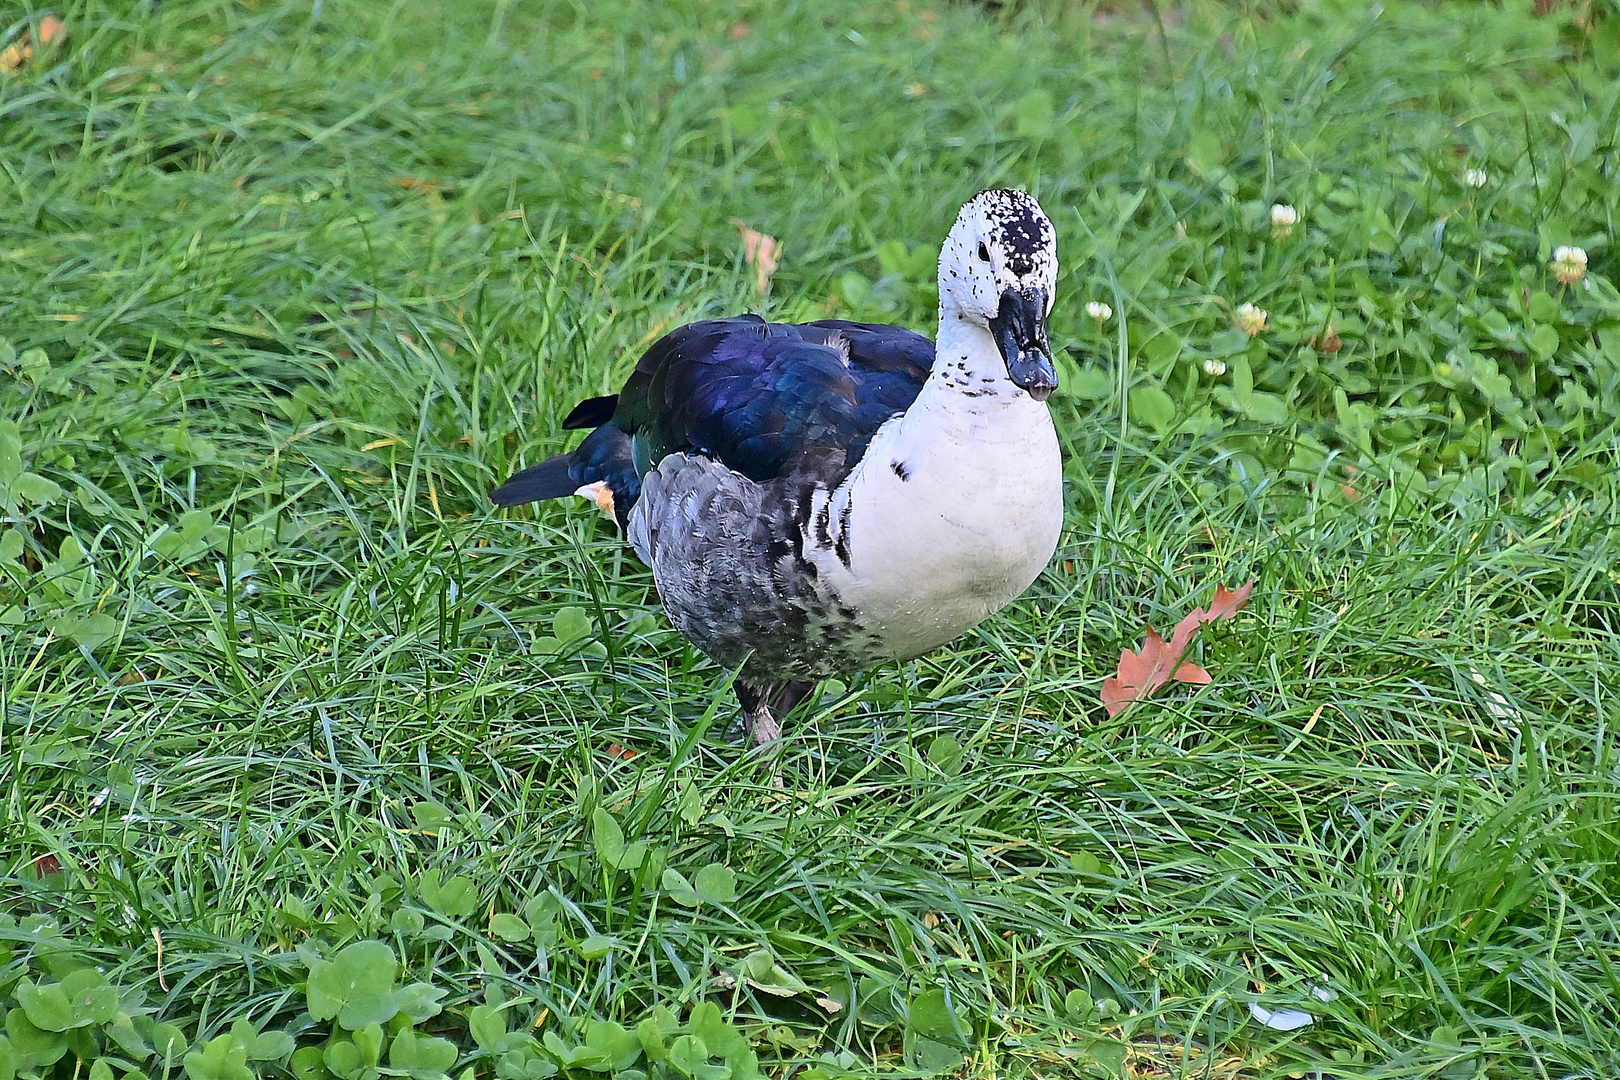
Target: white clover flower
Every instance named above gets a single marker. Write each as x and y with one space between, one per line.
1214 368
1569 264
1099 311
1251 320
1283 218
1476 178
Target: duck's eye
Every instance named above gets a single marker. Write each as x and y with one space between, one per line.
984 252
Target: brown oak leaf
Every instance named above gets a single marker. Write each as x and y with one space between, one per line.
1141 674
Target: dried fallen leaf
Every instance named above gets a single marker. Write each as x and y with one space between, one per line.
15 55
1141 674
46 865
620 752
51 30
762 252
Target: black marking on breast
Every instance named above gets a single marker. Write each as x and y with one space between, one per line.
801 511
824 524
900 470
841 545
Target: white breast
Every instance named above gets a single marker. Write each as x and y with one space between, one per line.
954 510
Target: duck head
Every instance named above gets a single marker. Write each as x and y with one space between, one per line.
998 268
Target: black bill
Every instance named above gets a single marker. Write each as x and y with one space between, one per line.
1020 332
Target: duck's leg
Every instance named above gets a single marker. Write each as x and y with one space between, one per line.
762 726
763 705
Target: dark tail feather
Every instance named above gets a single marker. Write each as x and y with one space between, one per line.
592 412
607 456
547 480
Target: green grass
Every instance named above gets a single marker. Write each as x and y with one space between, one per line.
289 287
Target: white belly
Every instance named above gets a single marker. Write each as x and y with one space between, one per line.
972 523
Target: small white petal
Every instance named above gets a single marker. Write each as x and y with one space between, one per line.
1282 1019
1498 707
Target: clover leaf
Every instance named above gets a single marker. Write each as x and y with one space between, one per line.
356 986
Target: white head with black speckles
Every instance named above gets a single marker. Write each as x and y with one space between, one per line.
998 268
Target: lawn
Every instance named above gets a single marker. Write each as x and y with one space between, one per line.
314 765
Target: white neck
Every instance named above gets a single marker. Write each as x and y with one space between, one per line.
957 503
969 371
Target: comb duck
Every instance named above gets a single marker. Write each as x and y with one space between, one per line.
817 498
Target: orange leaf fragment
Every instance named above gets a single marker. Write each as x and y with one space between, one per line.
761 251
620 752
1141 674
1192 673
